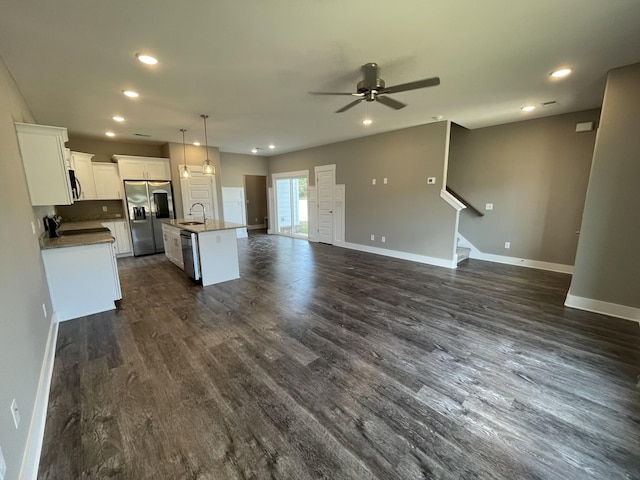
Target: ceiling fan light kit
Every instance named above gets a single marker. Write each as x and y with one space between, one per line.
373 89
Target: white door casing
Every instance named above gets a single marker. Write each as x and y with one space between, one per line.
325 186
199 188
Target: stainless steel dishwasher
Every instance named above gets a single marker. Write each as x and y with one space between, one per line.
190 254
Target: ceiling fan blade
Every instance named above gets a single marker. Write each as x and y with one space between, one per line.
351 105
427 82
390 102
335 93
370 72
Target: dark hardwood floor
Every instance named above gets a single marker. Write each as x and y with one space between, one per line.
322 362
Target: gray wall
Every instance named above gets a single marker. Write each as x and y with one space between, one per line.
235 166
535 173
407 211
195 156
608 260
104 149
23 328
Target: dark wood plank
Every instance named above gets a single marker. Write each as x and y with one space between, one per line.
322 362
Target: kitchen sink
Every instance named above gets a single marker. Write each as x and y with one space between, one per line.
64 233
191 223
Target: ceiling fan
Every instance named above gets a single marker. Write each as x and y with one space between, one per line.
372 88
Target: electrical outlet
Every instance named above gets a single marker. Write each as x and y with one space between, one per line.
507 244
384 180
383 239
44 310
104 208
373 181
3 465
15 412
488 206
33 227
431 181
373 237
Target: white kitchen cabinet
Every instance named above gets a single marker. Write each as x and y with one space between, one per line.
83 168
143 168
120 231
107 180
82 279
43 156
172 245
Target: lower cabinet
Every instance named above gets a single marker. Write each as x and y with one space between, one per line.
172 245
120 231
83 279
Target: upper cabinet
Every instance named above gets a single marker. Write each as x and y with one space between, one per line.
143 168
107 180
81 163
43 155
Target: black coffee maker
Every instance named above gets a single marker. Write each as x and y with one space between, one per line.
51 225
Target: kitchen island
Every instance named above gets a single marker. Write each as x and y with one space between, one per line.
216 248
81 270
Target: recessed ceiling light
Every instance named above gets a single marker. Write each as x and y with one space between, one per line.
367 121
148 59
110 134
254 150
197 144
131 93
563 72
272 146
528 108
118 118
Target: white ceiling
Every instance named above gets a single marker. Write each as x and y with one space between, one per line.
249 64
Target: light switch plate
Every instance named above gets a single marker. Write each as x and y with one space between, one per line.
384 180
373 181
488 206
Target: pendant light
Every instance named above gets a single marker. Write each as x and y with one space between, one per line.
184 171
208 168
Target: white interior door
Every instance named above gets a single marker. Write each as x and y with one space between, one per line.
325 185
233 204
199 188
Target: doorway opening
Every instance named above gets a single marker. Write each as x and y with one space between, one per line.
291 203
255 188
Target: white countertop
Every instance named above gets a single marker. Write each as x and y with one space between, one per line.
209 226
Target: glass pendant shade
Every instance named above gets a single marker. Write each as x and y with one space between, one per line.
208 168
184 171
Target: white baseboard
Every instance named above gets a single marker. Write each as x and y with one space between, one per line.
241 232
31 458
522 262
604 308
438 262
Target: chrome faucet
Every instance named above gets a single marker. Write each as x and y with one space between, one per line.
204 215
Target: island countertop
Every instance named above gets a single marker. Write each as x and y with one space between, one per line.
209 226
76 240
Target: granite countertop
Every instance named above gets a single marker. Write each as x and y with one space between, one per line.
76 240
209 226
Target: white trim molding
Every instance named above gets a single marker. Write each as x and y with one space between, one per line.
451 200
413 257
604 308
521 262
31 458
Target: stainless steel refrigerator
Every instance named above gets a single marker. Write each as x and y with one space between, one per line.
148 203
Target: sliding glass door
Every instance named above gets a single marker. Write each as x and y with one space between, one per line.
292 217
